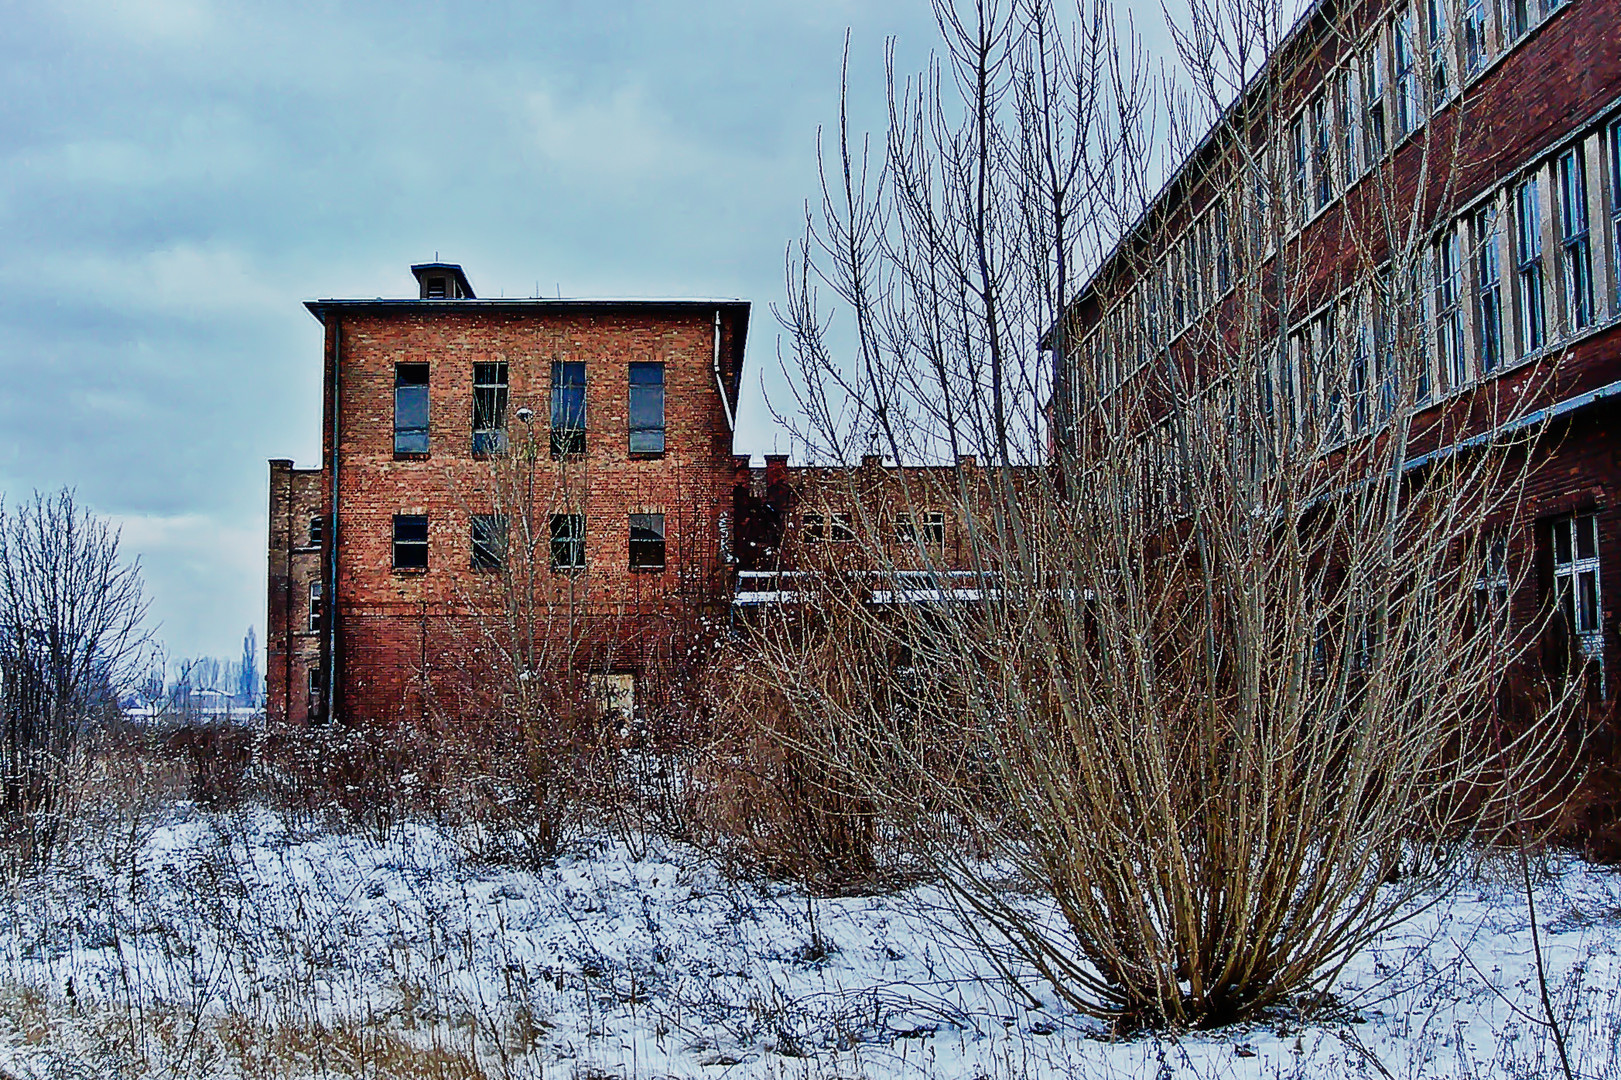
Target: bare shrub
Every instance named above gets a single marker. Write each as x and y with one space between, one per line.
1225 683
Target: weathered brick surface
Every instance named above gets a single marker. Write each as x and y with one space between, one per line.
296 497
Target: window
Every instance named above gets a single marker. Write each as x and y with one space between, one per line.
489 408
436 288
1224 256
315 607
1451 363
1322 144
1297 167
1320 381
1173 274
1440 41
410 408
1401 45
1576 580
646 408
647 541
1491 583
934 528
1350 132
489 541
1488 290
1474 36
1373 102
839 530
815 528
1573 241
317 690
1260 224
1384 342
1516 19
410 541
317 531
1615 213
1358 380
1420 273
1530 317
568 408
568 542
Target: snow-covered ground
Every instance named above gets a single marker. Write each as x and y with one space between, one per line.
205 944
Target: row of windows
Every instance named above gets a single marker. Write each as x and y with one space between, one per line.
1469 316
1404 70
488 542
568 412
928 528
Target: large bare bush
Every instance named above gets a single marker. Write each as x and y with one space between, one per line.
1224 688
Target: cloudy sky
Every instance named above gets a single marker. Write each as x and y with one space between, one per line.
179 175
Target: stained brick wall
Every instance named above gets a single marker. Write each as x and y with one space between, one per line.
292 648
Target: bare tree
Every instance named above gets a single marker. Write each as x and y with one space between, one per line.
71 637
1225 691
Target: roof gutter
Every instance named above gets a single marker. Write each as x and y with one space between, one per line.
1520 423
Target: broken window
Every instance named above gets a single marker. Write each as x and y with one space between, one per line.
1491 581
568 408
410 408
905 530
317 528
315 607
489 541
647 541
489 408
934 528
1576 581
815 527
568 542
647 408
1573 239
1450 360
410 541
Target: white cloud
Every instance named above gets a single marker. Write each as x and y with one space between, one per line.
621 137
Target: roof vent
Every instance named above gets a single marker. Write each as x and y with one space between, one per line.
442 281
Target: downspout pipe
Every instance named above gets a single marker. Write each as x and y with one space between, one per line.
329 669
725 403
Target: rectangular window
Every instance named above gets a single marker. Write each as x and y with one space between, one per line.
1474 36
1491 582
1516 19
1224 253
1488 290
1440 33
410 408
1530 313
1575 250
1406 78
646 408
647 541
317 690
1260 223
934 528
1576 581
1322 148
489 408
1350 131
1615 214
839 530
568 408
1358 380
815 528
1320 381
1173 274
568 542
317 531
1451 364
1298 165
905 530
410 541
315 606
1384 342
1373 103
489 536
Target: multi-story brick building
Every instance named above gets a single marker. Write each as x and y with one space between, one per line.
619 417
1451 168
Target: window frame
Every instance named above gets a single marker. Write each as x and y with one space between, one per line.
1486 229
643 549
567 552
1584 612
317 531
317 608
1530 275
640 436
491 390
1404 73
410 438
1451 362
488 551
1575 245
568 440
1376 136
410 544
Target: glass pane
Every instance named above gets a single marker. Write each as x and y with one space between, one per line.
1587 537
1561 542
411 528
1588 613
411 419
646 416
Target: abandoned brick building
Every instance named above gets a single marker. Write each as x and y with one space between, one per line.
1501 124
448 420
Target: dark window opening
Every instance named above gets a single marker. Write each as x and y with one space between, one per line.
815 527
568 542
489 408
647 408
489 541
568 408
317 531
410 541
647 541
410 408
934 528
905 530
316 607
317 693
839 530
436 288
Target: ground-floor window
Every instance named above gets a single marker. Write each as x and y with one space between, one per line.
1576 582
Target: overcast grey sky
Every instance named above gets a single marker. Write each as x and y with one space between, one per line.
179 175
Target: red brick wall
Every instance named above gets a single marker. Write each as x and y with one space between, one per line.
296 496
